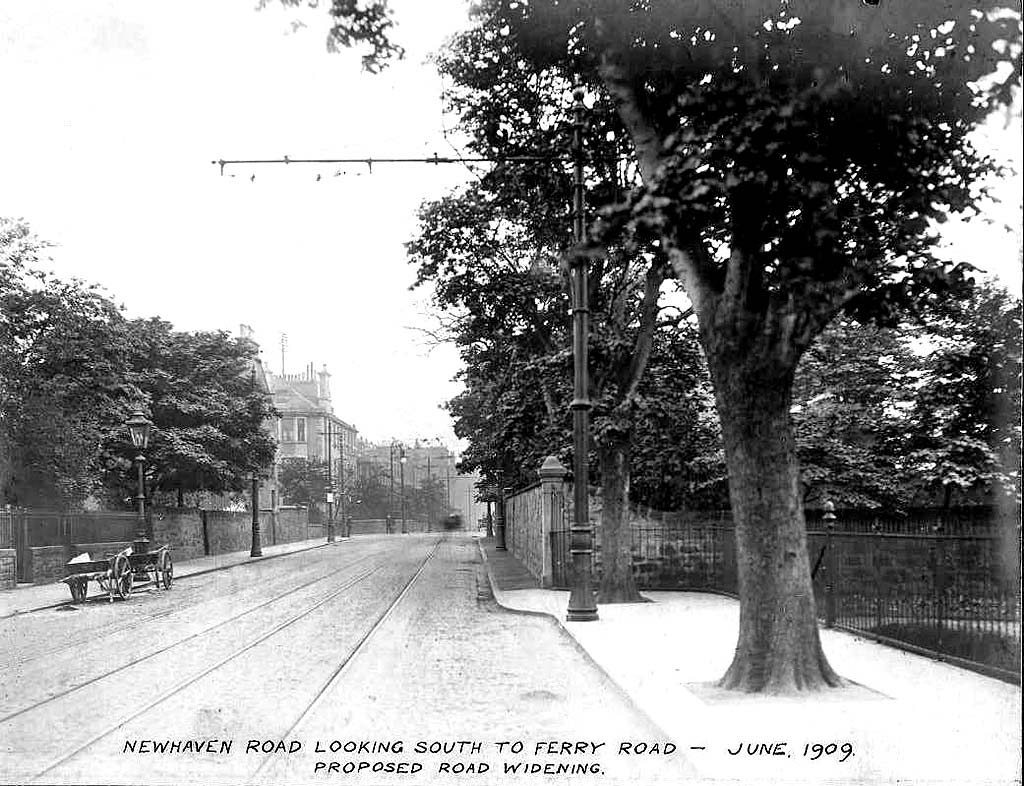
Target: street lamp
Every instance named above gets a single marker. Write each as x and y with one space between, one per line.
391 487
139 428
256 549
401 461
582 605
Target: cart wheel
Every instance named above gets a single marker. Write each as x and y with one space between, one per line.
79 590
122 577
165 570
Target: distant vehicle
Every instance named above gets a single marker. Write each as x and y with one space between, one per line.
454 521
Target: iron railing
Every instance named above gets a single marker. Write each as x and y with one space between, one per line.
6 530
949 595
33 529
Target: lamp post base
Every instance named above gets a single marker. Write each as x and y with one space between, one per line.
581 615
581 605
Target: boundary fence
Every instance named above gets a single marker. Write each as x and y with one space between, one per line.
6 530
948 589
35 529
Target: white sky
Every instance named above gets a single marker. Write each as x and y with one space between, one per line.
112 111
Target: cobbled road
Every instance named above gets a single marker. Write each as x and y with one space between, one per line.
379 660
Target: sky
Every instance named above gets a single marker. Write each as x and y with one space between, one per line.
115 109
119 107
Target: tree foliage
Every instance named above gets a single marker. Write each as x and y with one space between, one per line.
302 481
72 370
357 24
208 412
794 156
62 386
851 395
922 413
965 424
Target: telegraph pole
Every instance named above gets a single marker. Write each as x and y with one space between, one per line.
582 605
341 484
330 484
391 491
401 463
430 492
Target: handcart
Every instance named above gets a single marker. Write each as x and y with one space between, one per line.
119 573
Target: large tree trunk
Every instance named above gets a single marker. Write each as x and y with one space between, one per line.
617 585
779 650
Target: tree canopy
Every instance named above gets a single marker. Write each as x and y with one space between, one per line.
357 24
209 413
794 157
72 369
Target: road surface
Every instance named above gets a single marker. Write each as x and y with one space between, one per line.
377 660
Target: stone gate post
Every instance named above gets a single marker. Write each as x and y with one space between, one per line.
552 494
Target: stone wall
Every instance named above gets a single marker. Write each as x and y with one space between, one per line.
182 530
8 574
47 563
292 524
523 528
228 530
190 533
370 526
531 516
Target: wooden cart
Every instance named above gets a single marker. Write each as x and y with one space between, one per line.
119 573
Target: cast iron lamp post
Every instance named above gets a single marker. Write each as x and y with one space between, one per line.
256 550
389 521
582 605
139 427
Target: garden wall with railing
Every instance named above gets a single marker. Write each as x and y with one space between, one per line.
41 542
945 583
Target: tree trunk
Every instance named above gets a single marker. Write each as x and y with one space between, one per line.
778 650
617 585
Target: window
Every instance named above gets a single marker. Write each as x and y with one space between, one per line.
293 429
287 429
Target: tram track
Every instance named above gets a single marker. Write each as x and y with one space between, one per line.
221 623
184 683
343 665
91 635
221 662
177 578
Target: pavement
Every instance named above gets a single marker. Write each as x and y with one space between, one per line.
32 597
901 718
